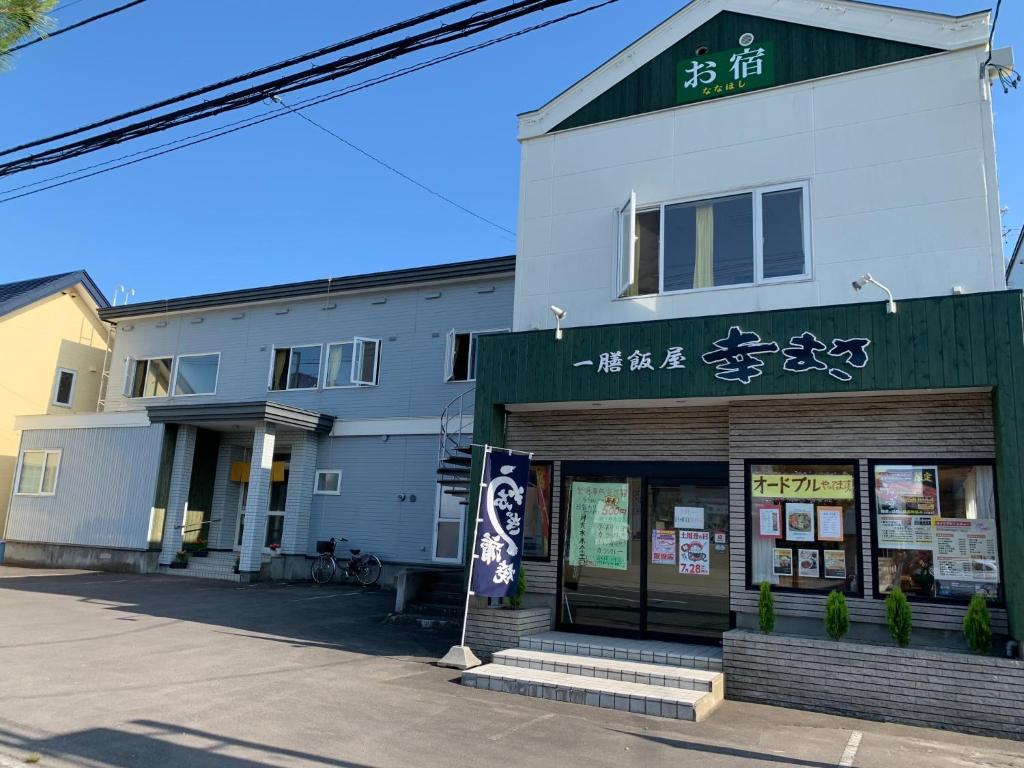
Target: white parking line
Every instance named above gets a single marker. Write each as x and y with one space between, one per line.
846 761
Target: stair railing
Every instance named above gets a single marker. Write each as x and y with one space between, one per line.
456 419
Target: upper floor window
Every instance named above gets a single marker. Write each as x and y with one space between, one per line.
354 363
37 473
296 367
748 238
461 354
197 374
150 377
64 387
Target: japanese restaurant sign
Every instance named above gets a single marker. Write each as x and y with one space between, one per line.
774 486
966 550
498 551
695 553
907 490
725 73
599 522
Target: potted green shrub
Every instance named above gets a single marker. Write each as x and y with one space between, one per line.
238 560
766 608
898 616
180 560
837 615
515 600
978 625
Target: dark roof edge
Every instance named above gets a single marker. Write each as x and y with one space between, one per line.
393 278
244 412
1017 255
60 283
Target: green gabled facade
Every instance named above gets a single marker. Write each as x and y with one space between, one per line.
799 53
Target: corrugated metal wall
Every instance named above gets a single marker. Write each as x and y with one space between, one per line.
105 488
955 425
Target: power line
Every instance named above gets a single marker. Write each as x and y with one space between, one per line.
76 25
229 128
297 81
391 168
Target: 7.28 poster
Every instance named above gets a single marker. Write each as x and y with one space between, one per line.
694 553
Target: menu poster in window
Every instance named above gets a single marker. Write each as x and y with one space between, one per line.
830 524
694 553
905 532
808 563
799 521
599 535
835 563
770 521
689 517
907 490
663 547
782 562
966 550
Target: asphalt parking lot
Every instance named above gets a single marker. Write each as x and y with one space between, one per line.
102 669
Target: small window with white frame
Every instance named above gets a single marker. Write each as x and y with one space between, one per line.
64 387
461 353
148 377
753 237
295 367
328 482
37 473
352 363
196 374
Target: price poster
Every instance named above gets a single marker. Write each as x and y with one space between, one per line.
966 550
663 547
600 525
906 532
907 490
770 521
830 523
695 553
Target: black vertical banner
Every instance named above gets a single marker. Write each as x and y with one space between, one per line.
498 549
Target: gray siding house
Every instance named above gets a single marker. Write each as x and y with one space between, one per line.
253 423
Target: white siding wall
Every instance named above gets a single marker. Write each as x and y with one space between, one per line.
901 166
105 488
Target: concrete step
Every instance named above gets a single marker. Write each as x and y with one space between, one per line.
690 656
425 608
195 572
660 675
677 703
435 623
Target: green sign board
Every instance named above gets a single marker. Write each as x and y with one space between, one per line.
600 525
726 73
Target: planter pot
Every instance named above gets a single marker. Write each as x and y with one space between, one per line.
489 630
178 565
931 688
199 553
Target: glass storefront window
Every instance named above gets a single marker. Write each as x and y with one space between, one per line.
537 526
802 529
935 530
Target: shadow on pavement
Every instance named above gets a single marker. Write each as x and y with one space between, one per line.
742 754
341 617
157 743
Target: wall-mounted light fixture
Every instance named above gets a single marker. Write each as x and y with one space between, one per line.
559 314
890 305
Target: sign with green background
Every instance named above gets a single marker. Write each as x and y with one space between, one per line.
600 525
725 73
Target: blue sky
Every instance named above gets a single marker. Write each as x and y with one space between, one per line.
282 201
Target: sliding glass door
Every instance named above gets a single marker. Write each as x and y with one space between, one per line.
645 549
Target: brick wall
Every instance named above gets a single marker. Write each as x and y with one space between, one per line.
936 689
489 630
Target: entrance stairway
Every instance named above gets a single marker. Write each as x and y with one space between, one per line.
216 565
684 682
438 604
455 451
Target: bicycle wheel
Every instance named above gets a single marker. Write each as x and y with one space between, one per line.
368 571
323 569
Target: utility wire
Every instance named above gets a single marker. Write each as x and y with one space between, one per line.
78 24
229 128
350 42
297 81
391 168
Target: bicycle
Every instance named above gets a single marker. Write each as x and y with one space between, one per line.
364 568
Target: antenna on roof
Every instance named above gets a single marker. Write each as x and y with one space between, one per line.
125 293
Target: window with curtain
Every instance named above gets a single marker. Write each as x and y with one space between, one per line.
353 363
803 531
149 378
747 238
936 530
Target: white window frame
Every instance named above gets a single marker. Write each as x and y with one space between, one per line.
449 365
316 482
174 380
359 342
625 267
353 383
450 520
129 376
42 475
71 393
270 373
756 194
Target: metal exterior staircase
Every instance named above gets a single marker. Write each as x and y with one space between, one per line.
455 451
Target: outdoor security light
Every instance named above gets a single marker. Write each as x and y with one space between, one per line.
559 314
890 305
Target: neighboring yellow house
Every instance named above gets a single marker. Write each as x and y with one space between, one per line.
52 346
